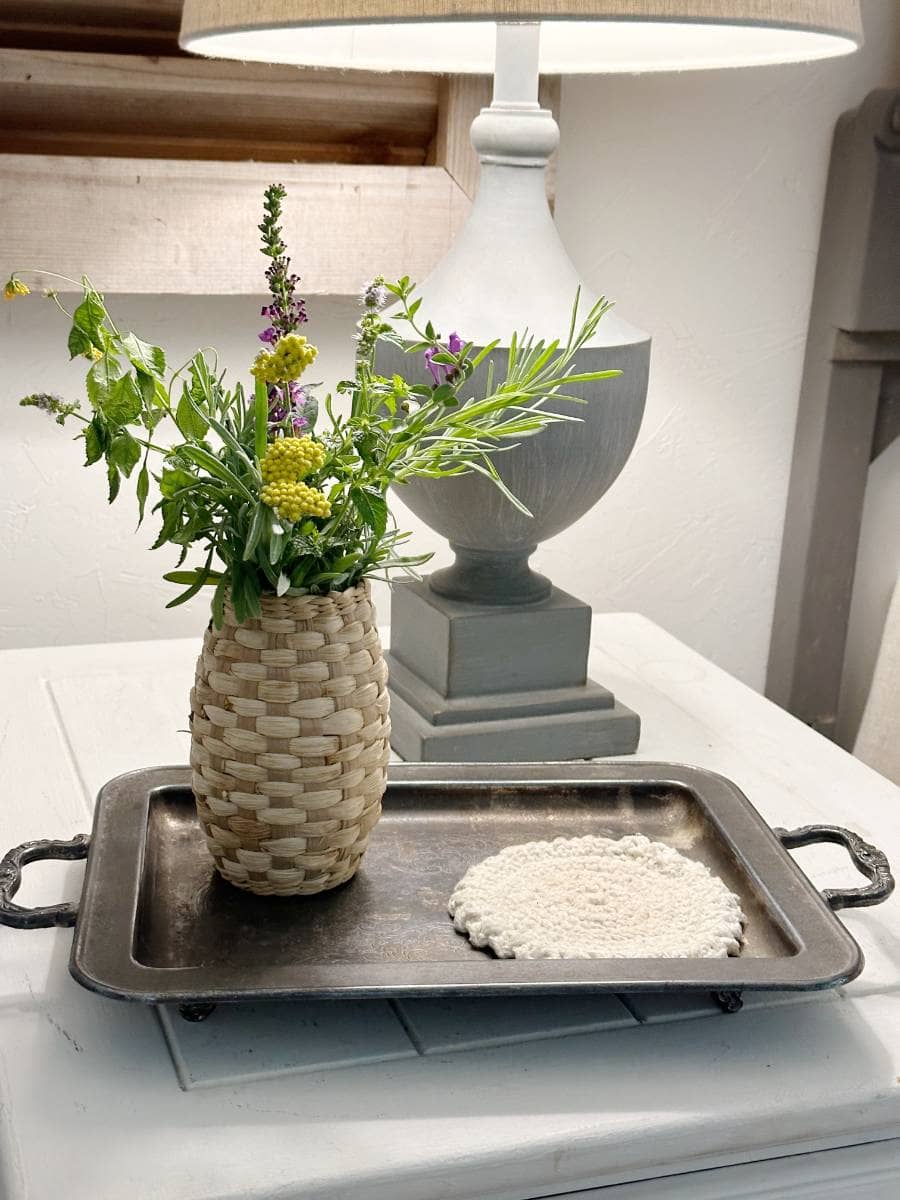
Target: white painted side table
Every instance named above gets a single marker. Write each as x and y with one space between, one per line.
799 1099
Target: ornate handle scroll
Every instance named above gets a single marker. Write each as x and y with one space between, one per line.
11 879
866 858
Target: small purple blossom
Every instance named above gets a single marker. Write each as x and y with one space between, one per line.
52 405
375 294
269 335
287 401
441 372
433 367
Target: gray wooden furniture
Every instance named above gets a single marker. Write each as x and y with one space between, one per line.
849 409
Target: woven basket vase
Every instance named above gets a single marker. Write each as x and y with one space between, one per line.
289 733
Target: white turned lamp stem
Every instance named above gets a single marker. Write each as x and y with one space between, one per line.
508 270
516 71
515 130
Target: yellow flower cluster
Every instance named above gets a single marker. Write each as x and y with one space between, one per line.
286 462
291 458
295 500
290 358
15 288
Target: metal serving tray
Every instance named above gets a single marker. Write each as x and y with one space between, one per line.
156 924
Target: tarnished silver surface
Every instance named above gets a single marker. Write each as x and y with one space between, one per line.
156 923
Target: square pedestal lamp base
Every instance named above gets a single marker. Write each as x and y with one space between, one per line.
498 683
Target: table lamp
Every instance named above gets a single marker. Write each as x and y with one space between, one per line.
488 658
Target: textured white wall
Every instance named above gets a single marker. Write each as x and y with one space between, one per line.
694 201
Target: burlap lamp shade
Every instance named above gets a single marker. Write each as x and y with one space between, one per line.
578 35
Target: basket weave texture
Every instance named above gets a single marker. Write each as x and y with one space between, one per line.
289 741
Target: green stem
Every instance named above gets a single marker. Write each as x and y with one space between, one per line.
62 308
52 274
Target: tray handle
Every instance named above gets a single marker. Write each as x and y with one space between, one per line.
866 858
11 879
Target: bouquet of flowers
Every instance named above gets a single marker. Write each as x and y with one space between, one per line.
283 494
287 502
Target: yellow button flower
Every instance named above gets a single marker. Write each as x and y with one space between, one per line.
15 288
286 462
292 501
292 458
287 362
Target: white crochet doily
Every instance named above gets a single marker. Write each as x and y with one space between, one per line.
596 897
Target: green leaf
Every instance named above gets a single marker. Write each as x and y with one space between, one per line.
490 472
227 437
173 479
188 577
283 584
347 561
261 412
327 577
79 343
218 602
590 376
101 379
123 403
245 592
277 539
147 387
124 453
95 441
311 412
149 360
259 524
445 394
299 573
171 514
87 325
90 312
201 575
203 458
372 507
143 490
269 571
112 475
189 419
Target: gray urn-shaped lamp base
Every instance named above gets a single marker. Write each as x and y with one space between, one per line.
498 682
488 660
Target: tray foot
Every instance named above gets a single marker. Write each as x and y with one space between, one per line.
195 1012
729 1002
